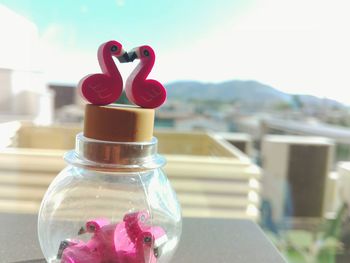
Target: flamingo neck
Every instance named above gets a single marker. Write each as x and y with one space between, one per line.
107 63
143 69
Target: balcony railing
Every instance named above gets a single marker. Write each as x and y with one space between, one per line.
211 177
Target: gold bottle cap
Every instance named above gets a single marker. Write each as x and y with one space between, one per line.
118 123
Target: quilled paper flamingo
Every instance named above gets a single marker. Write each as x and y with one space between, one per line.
105 88
131 241
146 93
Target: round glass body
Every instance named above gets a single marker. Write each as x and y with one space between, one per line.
102 211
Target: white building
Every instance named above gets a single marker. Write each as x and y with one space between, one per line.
24 94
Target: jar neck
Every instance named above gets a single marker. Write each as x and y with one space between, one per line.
108 155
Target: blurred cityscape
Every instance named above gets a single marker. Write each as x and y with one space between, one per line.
233 106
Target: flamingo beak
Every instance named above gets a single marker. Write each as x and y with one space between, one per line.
133 54
82 230
124 57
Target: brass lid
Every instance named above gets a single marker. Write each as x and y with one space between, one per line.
118 123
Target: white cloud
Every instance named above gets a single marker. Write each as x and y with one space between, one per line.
120 2
298 46
19 40
61 59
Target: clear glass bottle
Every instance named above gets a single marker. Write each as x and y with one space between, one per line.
113 203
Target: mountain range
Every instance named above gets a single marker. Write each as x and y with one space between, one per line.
245 92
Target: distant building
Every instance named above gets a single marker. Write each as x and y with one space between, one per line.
183 116
24 94
169 119
241 141
64 95
296 175
68 105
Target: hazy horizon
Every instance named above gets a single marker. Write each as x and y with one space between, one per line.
298 47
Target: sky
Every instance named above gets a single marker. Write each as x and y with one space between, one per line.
297 46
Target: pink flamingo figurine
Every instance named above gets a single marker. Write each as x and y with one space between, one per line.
105 88
129 241
147 93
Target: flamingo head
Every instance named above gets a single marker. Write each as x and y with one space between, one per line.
116 50
142 53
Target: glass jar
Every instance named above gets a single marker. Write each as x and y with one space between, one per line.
113 203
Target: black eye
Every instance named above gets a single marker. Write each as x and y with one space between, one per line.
147 239
114 48
146 53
